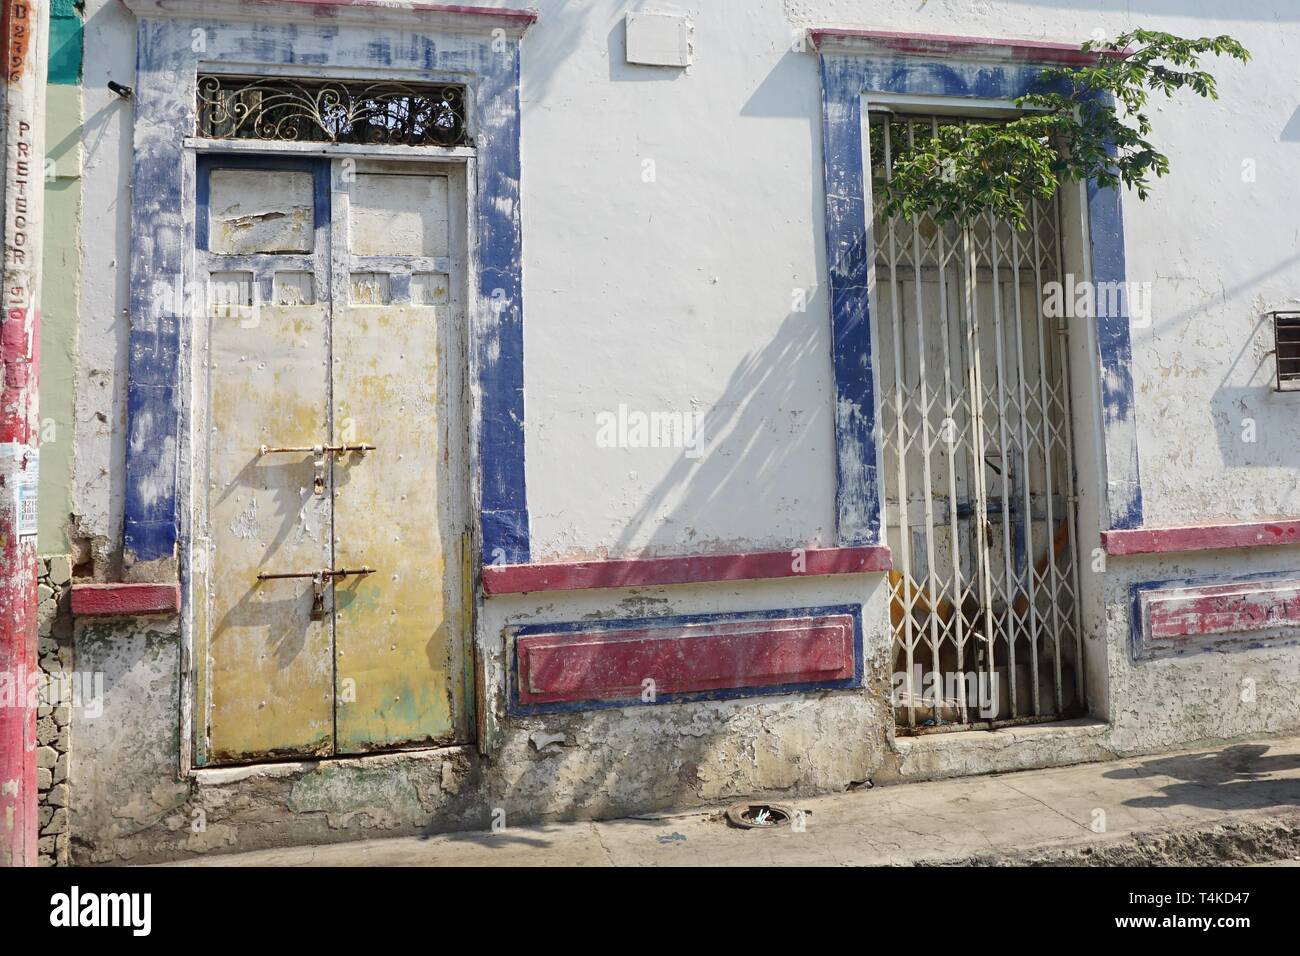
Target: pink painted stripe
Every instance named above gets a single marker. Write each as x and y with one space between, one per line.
463 9
639 572
1205 537
613 665
470 10
1222 609
1039 51
104 600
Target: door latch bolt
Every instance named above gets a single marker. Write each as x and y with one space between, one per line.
318 581
318 463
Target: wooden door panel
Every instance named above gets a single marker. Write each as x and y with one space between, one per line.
270 679
361 345
398 630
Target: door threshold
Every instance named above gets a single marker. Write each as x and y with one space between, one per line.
233 773
984 726
965 753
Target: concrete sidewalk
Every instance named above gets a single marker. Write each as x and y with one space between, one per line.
1237 803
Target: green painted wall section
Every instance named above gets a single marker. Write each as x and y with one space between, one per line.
65 43
61 279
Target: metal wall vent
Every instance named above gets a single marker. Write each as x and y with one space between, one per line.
331 111
1286 339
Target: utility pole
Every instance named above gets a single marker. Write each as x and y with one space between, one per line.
25 41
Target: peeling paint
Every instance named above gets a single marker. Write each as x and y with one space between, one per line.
165 106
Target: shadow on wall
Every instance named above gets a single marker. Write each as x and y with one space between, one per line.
561 29
759 446
1234 405
763 443
768 441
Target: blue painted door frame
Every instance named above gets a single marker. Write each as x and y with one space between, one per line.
162 228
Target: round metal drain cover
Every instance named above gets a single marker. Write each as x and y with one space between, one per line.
759 816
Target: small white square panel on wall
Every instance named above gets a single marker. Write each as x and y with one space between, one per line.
658 39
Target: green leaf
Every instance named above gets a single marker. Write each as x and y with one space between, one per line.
1082 123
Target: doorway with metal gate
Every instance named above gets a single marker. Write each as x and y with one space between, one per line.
978 460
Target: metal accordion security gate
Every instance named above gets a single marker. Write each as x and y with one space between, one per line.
978 463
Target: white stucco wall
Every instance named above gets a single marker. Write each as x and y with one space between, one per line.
690 279
100 420
678 295
675 294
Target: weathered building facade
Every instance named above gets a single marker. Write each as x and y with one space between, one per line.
488 415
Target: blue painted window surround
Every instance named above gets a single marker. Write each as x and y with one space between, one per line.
847 75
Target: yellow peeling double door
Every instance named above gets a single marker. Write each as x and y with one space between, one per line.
333 615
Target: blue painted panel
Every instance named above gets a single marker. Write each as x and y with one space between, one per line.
568 627
500 348
1123 479
319 168
858 491
158 241
400 286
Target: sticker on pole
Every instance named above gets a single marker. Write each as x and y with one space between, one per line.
20 471
28 484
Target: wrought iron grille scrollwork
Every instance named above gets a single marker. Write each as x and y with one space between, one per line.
331 111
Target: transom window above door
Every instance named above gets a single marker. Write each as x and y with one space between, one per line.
289 109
